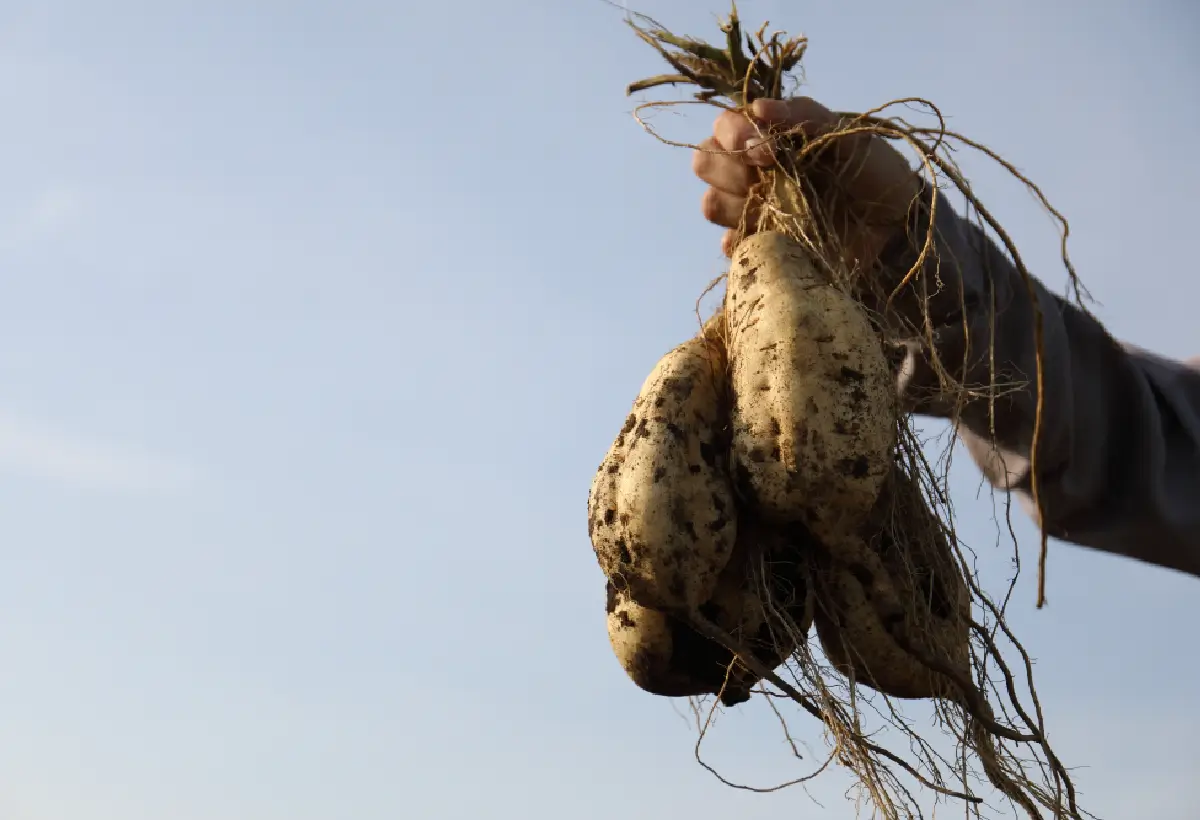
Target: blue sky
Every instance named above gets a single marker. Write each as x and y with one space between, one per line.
318 317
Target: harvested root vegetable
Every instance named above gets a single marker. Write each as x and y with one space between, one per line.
925 653
814 419
859 645
866 641
661 511
816 430
763 599
644 641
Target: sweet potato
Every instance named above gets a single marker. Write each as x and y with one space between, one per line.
888 652
763 599
644 642
661 513
814 420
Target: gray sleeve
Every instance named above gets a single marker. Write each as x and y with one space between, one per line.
1119 459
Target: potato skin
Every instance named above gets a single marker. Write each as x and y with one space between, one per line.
661 513
814 410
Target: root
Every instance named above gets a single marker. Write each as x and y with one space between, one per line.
715 633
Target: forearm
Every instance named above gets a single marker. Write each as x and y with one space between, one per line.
1118 460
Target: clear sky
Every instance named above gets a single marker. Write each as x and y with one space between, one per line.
316 319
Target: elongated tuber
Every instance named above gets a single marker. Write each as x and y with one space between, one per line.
661 513
904 655
814 419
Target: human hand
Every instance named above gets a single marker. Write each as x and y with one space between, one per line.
877 182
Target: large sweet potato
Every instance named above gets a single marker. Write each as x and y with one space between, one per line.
661 513
814 418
